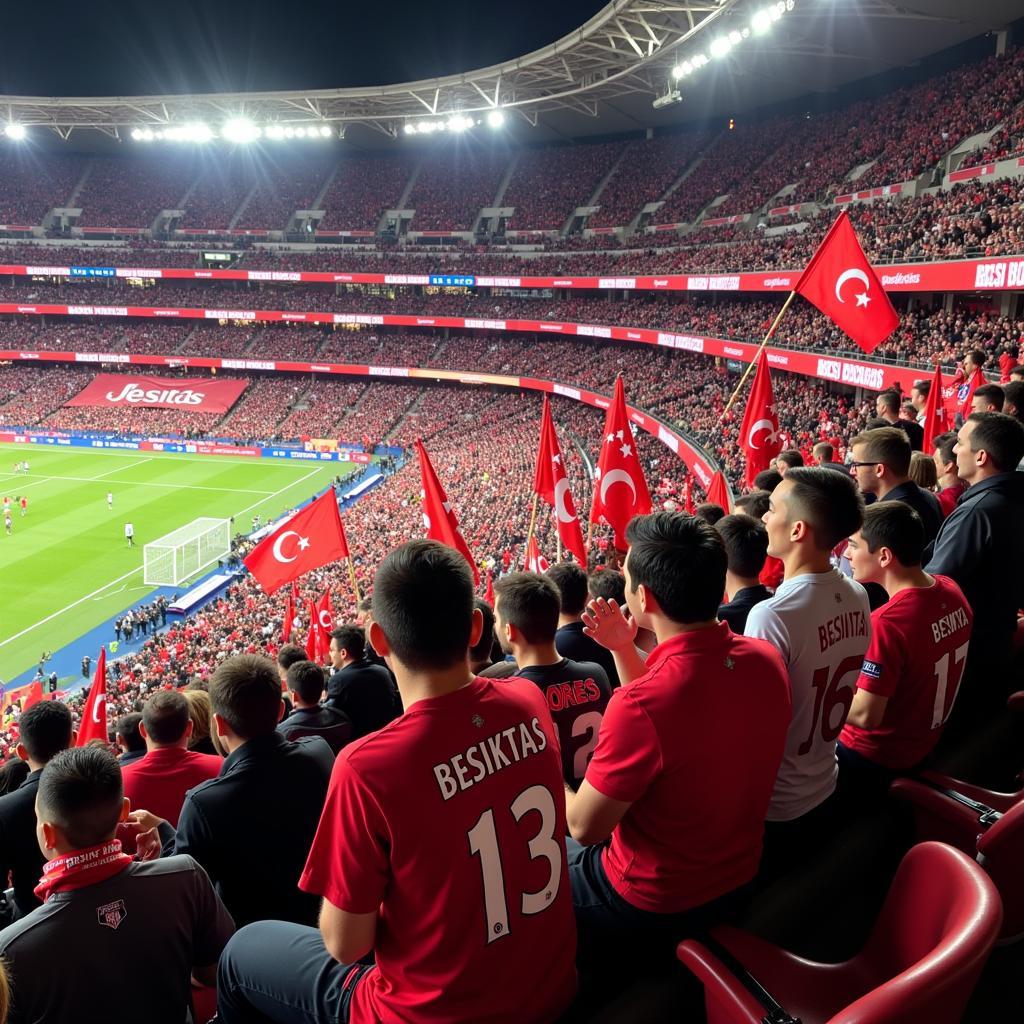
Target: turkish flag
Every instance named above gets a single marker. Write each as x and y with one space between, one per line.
862 311
314 640
309 539
325 619
535 561
620 490
289 618
438 515
94 714
34 696
551 484
718 492
759 431
935 419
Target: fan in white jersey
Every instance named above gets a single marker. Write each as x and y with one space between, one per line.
820 622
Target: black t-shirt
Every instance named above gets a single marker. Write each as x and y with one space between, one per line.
572 642
367 694
577 693
737 610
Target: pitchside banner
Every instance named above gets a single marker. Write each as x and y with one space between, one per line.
203 394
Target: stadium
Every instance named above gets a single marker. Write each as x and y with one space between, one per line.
688 335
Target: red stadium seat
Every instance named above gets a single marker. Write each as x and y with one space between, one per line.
204 1003
997 840
930 942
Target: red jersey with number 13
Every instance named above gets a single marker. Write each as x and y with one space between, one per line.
450 823
916 659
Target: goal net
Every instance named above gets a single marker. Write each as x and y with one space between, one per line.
181 554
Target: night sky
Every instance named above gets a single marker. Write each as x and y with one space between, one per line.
124 47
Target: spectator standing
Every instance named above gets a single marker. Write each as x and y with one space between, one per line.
950 486
887 405
746 547
129 739
570 640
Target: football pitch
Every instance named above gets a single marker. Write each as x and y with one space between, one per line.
66 566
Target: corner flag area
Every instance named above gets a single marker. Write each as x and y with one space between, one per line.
66 565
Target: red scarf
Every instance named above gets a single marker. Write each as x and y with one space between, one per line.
80 868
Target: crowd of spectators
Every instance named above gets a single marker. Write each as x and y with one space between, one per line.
32 184
454 185
548 184
282 187
362 189
129 191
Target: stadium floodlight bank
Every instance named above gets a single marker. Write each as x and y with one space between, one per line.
182 553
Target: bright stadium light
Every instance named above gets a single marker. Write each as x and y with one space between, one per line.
410 128
300 132
495 118
720 46
240 129
274 131
761 22
735 38
15 131
325 131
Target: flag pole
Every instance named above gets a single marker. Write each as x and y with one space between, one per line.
352 577
753 362
533 519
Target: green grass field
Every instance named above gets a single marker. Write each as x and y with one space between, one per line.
66 567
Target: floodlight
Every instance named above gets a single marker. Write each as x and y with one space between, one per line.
495 118
790 5
240 129
735 37
137 134
325 131
678 71
761 22
410 129
15 131
720 46
274 131
300 132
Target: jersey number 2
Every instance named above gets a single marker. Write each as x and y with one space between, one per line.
483 843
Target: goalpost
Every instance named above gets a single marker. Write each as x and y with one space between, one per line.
181 554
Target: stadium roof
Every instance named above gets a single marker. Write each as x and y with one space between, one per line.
599 79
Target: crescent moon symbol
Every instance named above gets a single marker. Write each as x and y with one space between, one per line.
767 424
325 618
854 273
617 476
277 546
561 508
96 708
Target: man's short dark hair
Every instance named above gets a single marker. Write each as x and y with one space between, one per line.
681 560
710 512
1013 395
423 603
790 457
607 583
890 401
571 581
923 386
887 445
306 678
245 690
943 444
896 526
45 729
823 451
977 357
165 716
1001 436
767 480
289 655
746 544
483 648
351 638
827 501
530 602
992 394
754 503
127 728
1018 371
80 791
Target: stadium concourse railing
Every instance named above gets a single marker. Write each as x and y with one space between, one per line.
875 376
986 274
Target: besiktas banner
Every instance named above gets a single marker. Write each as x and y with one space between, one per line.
191 394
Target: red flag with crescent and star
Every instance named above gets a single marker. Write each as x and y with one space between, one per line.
94 714
620 490
309 539
759 431
935 419
314 638
325 616
861 310
551 484
438 515
535 561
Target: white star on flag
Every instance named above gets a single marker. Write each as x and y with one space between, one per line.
626 450
620 434
863 299
556 459
610 438
303 543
